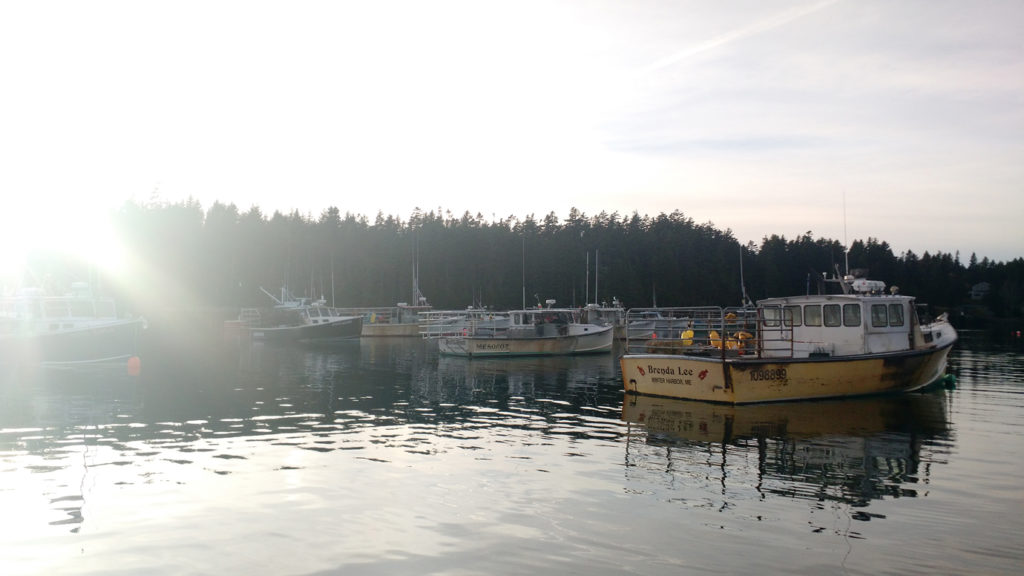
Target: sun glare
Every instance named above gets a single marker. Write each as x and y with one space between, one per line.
80 236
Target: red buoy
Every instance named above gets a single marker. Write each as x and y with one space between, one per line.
134 366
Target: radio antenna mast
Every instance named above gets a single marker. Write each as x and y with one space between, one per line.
743 284
846 244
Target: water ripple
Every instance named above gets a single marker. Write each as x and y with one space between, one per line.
384 457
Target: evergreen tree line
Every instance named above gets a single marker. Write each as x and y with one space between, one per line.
180 255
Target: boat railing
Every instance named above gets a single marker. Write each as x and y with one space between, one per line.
776 332
440 323
59 308
461 323
250 317
374 314
763 332
704 330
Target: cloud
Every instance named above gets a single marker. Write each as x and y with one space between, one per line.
763 25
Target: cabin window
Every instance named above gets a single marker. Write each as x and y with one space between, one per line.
851 314
791 315
879 315
895 315
772 316
812 315
833 315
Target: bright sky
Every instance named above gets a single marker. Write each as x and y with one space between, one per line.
902 121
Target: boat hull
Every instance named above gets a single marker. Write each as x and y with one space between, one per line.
742 380
593 342
109 342
340 329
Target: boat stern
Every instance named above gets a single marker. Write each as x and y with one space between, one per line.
672 376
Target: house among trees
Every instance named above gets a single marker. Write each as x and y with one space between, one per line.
980 291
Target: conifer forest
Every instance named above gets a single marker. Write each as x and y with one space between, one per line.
177 255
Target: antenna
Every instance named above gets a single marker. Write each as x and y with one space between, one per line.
586 290
743 285
524 271
846 244
418 299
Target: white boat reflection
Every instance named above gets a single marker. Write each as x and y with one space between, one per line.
524 376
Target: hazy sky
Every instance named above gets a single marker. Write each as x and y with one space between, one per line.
757 116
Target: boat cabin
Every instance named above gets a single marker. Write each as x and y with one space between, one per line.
604 315
51 313
864 319
532 317
837 325
542 322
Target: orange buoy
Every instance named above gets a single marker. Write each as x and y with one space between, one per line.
134 366
715 339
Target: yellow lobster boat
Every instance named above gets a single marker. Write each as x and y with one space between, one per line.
862 341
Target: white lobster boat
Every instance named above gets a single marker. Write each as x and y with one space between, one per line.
531 332
74 328
860 342
295 319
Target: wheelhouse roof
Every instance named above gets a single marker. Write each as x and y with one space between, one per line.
833 298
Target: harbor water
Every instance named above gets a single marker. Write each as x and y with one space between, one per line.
378 456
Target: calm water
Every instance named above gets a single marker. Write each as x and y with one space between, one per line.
378 457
